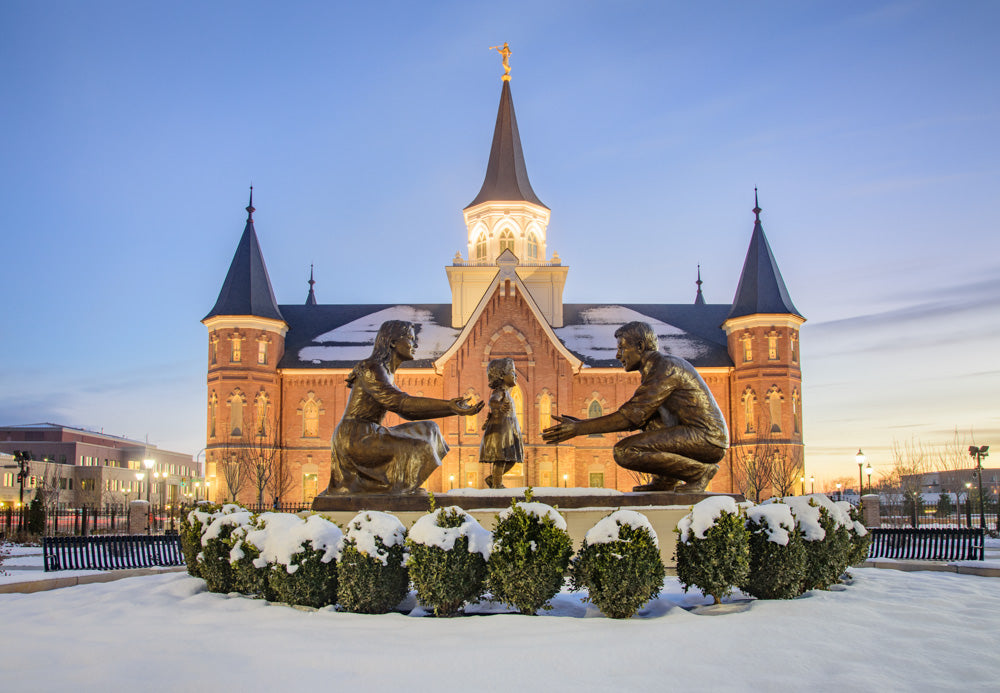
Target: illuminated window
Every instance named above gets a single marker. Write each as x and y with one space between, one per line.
262 352
481 247
795 347
472 479
8 479
236 352
236 415
472 421
506 241
213 347
517 395
310 487
545 411
796 411
260 407
772 346
532 246
749 403
774 408
747 347
213 406
597 480
310 419
593 411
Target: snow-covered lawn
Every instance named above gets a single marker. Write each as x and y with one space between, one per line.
888 631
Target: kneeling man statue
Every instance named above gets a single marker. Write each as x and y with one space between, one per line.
367 457
683 433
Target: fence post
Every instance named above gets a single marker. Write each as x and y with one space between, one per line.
138 517
870 511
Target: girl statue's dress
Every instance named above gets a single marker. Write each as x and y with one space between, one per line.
501 433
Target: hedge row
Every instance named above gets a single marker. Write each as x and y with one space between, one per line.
448 557
776 550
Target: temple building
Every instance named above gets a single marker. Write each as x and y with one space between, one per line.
276 373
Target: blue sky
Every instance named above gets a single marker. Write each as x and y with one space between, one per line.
131 131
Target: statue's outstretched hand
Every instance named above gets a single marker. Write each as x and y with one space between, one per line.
566 429
460 406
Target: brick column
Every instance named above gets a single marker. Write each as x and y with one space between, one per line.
138 517
870 512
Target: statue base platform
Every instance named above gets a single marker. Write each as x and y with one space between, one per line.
582 508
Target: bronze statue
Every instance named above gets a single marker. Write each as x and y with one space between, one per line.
367 457
684 434
505 52
502 445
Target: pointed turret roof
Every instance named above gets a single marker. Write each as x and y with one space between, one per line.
699 300
247 289
311 298
506 175
761 288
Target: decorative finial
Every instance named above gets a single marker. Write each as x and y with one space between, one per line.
311 280
505 52
311 298
699 299
756 205
250 209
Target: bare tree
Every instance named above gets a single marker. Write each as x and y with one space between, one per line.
260 457
787 469
230 466
752 465
281 479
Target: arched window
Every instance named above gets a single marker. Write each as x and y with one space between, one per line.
545 411
796 411
772 346
749 414
506 241
310 419
260 411
236 414
747 347
795 347
472 421
262 352
481 247
593 411
213 411
532 246
236 353
774 408
517 395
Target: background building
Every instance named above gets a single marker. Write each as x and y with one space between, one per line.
276 374
74 467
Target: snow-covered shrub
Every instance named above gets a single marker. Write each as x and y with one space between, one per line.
777 553
619 564
827 542
296 556
193 526
448 553
531 552
713 551
373 578
861 538
216 544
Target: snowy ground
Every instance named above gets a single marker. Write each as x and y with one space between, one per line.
888 631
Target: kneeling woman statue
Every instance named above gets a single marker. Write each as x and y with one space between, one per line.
367 457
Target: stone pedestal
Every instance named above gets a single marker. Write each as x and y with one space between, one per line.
138 517
870 512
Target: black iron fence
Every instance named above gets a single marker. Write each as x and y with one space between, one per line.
932 544
111 552
944 514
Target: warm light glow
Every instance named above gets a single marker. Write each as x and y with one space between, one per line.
140 475
838 485
149 463
869 470
860 457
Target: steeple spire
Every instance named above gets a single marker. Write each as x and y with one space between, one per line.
699 300
506 175
247 288
311 298
761 288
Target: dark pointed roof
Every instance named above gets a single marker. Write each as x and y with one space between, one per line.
506 175
247 289
311 298
761 288
699 300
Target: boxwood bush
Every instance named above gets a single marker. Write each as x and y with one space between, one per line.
298 557
713 547
531 552
448 559
861 538
777 553
216 545
827 541
373 578
193 525
619 564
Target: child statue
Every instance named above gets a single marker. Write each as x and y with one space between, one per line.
502 446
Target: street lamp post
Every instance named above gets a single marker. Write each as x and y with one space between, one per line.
860 459
868 471
968 504
812 484
451 481
838 490
565 479
979 453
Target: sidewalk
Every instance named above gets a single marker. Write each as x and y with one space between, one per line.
25 573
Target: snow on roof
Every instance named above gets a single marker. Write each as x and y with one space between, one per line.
426 531
353 341
704 514
606 530
595 339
